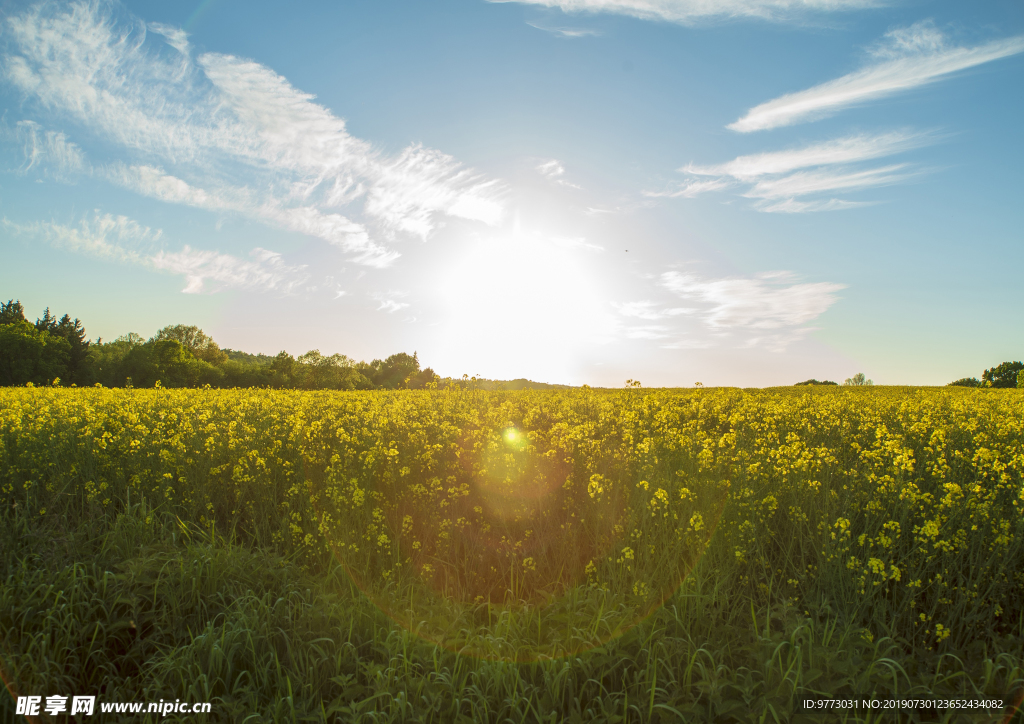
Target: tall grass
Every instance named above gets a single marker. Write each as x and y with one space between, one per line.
462 556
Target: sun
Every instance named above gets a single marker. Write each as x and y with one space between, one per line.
522 304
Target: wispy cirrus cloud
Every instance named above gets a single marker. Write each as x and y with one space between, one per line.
562 32
846 150
687 12
390 302
766 301
803 183
45 151
122 239
795 206
907 58
553 170
211 271
116 238
225 133
769 310
649 310
307 219
690 189
421 182
784 179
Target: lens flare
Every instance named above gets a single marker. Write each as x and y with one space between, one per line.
521 544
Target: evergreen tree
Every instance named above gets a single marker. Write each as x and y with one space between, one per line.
73 333
48 323
11 312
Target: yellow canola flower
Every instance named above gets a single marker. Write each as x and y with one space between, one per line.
848 487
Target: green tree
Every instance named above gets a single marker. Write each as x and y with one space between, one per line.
129 359
11 312
371 371
46 323
858 380
1005 375
30 355
397 370
334 372
195 340
72 331
247 374
815 382
176 366
109 361
965 382
1020 380
287 372
421 379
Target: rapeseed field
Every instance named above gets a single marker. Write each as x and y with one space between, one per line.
461 555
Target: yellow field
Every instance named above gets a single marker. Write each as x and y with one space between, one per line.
900 507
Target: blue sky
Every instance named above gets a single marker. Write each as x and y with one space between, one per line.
744 192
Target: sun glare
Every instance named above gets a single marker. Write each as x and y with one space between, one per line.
521 305
515 440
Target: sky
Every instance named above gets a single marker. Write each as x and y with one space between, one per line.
738 192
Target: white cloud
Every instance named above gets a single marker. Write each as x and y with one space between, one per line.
690 11
769 310
122 239
421 181
651 310
390 305
551 169
803 183
210 271
795 173
793 206
689 189
117 238
47 151
850 149
176 37
766 301
554 170
232 134
389 302
157 184
565 32
909 58
922 37
335 228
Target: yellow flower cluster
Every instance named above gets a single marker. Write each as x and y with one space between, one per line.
908 499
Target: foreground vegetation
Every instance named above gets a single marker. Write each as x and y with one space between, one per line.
463 555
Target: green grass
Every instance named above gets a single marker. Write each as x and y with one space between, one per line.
151 610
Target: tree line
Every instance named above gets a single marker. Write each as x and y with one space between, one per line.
1007 374
57 351
858 380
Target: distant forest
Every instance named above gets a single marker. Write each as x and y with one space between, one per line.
58 351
